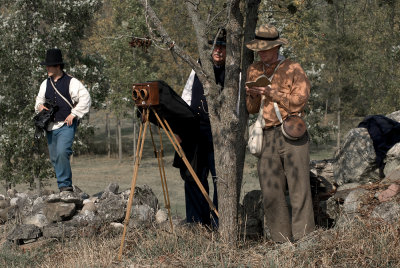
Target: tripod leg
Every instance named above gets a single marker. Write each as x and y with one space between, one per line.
158 154
139 153
180 152
164 180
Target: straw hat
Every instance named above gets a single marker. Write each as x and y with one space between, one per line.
267 37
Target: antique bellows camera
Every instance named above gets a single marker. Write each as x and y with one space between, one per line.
146 94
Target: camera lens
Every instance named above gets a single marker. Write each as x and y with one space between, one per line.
144 94
135 94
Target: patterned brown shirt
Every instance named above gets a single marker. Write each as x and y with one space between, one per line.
290 80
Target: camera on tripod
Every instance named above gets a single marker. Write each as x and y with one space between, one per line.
146 94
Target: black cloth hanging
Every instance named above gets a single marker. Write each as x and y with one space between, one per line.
181 118
384 133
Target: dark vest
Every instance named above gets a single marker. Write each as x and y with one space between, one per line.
199 102
62 86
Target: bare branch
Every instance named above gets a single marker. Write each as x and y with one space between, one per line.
165 38
200 29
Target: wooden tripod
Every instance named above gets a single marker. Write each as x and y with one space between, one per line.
159 153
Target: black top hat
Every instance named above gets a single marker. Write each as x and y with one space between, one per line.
53 57
221 38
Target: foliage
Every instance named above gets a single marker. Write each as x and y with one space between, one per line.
27 29
350 50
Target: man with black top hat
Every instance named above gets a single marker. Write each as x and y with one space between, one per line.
197 208
73 101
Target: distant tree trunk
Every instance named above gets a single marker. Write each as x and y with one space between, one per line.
338 123
119 140
326 113
108 135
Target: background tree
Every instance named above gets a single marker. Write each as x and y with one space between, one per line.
228 122
28 28
116 24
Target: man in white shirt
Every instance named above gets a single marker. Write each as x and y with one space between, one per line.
73 102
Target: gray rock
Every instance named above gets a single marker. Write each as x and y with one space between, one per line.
38 205
333 208
89 206
80 193
112 187
117 226
387 211
84 219
11 193
3 215
5 203
38 220
392 177
324 169
56 212
395 116
352 203
59 230
144 195
2 197
392 159
161 216
355 161
141 215
22 204
112 208
22 232
252 215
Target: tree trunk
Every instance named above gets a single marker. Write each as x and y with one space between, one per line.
108 135
338 124
119 141
326 113
228 115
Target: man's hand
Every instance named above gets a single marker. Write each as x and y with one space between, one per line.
69 120
266 91
41 107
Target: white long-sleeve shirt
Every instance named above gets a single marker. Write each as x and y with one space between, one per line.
80 100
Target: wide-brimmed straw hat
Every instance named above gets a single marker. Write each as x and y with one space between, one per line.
267 37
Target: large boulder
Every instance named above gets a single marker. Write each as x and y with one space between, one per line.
111 207
252 216
24 232
59 211
392 160
355 160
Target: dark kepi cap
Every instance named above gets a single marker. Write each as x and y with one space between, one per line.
221 38
53 57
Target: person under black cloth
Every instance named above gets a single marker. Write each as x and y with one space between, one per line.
200 148
384 133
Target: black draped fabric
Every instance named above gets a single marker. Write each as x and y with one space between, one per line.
181 118
384 133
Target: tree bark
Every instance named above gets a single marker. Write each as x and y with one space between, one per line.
227 109
119 141
108 135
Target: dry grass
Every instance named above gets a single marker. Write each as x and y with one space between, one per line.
359 244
